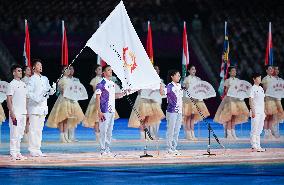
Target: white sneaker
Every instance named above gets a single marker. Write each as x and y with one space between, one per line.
32 154
109 154
177 153
15 157
41 154
253 149
103 155
169 153
261 150
21 157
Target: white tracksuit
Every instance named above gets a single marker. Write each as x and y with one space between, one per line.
257 123
38 93
18 90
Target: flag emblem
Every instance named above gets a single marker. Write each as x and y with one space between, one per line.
129 60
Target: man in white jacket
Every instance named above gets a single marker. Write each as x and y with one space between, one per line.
38 93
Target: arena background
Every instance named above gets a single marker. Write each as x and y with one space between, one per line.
247 28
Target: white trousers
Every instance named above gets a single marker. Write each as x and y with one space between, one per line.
257 124
16 133
106 128
173 128
35 133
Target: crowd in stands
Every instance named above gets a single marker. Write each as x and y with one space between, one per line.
247 22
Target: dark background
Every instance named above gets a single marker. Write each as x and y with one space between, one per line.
247 27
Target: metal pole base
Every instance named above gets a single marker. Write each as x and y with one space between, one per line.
209 152
145 155
145 148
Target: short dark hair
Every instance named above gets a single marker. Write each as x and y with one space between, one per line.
171 73
190 66
232 67
25 68
105 67
255 75
35 61
267 66
14 67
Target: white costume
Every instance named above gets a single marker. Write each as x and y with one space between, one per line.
257 123
18 90
26 79
38 93
71 131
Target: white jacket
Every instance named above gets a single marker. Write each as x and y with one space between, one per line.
38 93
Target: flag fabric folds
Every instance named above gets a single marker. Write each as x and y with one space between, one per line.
27 47
225 63
64 47
149 44
117 43
185 53
269 48
100 61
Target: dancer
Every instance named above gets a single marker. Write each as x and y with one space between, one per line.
17 105
146 112
271 108
280 116
190 113
71 131
256 101
38 93
157 97
231 111
66 113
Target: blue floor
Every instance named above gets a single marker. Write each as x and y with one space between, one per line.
122 132
154 175
145 175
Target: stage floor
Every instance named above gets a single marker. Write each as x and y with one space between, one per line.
126 158
127 147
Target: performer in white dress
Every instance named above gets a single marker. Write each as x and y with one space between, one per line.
71 131
231 111
66 113
272 106
190 112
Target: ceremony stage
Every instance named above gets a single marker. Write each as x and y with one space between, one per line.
81 161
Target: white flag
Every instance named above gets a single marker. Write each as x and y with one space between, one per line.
117 43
